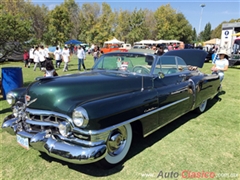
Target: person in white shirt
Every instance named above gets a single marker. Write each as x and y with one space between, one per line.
46 51
81 57
36 56
31 57
57 54
42 55
221 64
65 57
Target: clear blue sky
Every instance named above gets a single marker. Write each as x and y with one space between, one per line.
214 12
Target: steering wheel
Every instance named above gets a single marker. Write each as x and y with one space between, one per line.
141 69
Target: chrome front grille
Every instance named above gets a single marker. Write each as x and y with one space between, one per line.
39 120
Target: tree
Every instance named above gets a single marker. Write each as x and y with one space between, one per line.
14 31
172 25
73 10
59 26
13 7
137 26
184 29
194 35
150 22
216 33
166 22
206 34
103 29
38 16
89 14
122 28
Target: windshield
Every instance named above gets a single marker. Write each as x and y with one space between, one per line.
132 63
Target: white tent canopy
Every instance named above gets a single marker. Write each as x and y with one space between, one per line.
167 41
114 41
149 41
145 42
213 41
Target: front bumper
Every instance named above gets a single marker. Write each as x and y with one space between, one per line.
54 146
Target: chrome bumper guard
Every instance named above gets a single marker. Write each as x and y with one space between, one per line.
48 143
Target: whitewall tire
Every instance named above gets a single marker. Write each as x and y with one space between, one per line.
202 107
118 145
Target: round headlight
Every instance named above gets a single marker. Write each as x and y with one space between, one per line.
11 99
80 117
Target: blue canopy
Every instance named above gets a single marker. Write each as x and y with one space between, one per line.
73 41
52 48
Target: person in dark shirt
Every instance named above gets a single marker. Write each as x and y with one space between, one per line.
159 51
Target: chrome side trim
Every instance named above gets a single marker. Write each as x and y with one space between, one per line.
150 132
108 129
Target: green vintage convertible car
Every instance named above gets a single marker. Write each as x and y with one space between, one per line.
90 116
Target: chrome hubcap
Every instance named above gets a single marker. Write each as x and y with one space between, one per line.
117 141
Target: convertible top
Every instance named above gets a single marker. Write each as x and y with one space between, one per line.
193 57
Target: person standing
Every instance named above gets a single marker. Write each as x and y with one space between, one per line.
42 56
95 54
25 57
57 54
181 45
36 59
46 51
221 64
81 57
31 57
65 57
159 51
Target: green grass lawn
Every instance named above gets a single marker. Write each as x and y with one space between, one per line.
209 142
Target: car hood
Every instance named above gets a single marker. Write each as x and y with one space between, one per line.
62 94
193 57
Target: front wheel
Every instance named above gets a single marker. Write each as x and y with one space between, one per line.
118 145
202 107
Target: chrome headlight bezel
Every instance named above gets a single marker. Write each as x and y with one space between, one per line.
80 117
11 98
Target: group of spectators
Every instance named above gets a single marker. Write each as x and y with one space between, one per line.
160 50
39 55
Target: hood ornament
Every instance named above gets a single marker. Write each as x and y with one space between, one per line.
28 98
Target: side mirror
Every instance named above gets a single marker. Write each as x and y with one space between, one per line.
161 75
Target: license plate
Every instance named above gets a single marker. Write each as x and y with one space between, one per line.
23 142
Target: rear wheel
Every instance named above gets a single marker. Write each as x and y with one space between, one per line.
118 145
202 107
